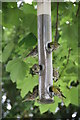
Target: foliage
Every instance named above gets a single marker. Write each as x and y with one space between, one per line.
20 37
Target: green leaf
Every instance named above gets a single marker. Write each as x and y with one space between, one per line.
17 69
71 95
74 92
28 9
28 41
27 84
71 70
30 61
66 93
27 44
8 17
7 51
69 33
30 22
51 107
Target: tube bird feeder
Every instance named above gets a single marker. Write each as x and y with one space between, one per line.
45 57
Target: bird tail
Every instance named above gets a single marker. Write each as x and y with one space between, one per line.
63 96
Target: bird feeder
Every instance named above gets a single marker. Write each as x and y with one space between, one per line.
45 57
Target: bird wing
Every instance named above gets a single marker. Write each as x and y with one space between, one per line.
59 92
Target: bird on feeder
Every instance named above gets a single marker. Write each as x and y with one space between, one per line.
55 74
55 91
51 46
36 69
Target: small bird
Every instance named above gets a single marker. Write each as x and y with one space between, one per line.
55 91
55 74
75 84
33 52
32 96
53 45
35 69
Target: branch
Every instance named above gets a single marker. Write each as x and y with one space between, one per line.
66 63
78 9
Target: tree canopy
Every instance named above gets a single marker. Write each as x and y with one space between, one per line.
19 38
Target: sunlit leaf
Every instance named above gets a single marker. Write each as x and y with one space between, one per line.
7 51
17 69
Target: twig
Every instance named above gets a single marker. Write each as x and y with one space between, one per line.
78 9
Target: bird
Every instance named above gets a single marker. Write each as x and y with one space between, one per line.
32 96
33 52
55 91
53 45
35 69
55 74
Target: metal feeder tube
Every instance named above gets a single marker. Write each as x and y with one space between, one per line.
45 58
